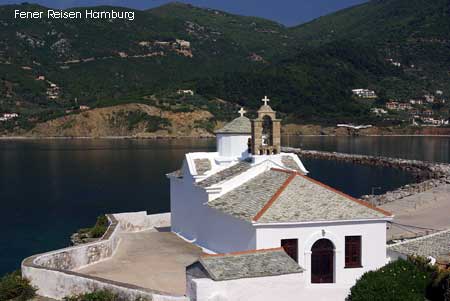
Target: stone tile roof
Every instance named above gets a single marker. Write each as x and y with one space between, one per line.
282 196
247 200
436 245
290 163
240 125
202 166
250 264
305 200
225 174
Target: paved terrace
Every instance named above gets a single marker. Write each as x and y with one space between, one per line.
427 210
149 259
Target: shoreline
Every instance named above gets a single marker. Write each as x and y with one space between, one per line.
102 137
188 137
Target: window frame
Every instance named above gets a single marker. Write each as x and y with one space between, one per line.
295 258
353 244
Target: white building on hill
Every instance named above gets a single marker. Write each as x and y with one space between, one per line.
247 200
364 93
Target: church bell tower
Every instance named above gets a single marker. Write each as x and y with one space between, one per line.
266 131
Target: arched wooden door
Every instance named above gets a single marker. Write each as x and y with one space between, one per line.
322 262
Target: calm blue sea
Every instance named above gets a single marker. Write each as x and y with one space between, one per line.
50 188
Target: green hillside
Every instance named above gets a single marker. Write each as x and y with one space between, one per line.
415 33
49 67
101 61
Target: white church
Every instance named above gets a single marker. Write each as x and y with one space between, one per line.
268 230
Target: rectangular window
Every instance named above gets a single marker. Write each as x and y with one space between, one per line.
290 246
353 251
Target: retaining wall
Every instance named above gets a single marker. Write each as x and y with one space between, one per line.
55 273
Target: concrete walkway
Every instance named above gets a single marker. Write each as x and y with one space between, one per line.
429 209
149 259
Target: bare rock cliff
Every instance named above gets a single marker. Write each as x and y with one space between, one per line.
130 120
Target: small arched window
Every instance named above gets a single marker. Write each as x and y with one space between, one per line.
267 130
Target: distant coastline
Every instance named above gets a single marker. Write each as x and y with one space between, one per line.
193 137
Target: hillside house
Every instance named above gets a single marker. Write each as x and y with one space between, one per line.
429 98
183 43
364 93
404 106
398 106
8 116
379 111
185 92
392 105
427 112
416 101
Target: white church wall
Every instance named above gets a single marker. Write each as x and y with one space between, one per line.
222 233
373 245
185 203
289 287
195 221
232 145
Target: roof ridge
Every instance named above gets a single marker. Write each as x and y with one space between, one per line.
360 202
277 193
282 170
253 251
419 238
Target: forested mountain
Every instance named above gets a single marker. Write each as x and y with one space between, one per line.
414 33
48 67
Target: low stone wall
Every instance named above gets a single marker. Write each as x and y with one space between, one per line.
73 258
428 174
54 273
139 221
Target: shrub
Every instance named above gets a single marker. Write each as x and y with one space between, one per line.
100 227
208 125
399 280
440 287
101 295
97 230
133 119
94 296
14 287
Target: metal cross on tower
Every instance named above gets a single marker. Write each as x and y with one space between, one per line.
265 100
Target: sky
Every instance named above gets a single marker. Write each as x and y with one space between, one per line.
288 12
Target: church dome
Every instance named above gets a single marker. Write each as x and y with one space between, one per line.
240 125
265 108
